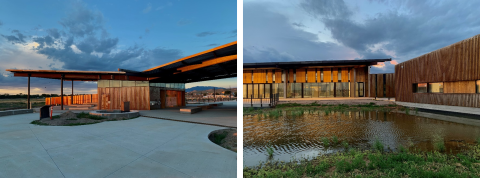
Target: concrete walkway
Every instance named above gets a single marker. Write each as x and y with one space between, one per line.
141 147
225 115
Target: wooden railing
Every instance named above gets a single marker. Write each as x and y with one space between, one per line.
77 99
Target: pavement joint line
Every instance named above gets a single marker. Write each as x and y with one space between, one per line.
218 125
47 152
152 159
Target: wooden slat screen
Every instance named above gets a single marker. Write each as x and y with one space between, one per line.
327 75
278 76
344 75
335 74
247 76
300 76
77 99
290 76
311 75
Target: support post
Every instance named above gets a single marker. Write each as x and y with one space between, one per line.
28 93
285 84
71 98
251 101
61 92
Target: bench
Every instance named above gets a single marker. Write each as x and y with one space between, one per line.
190 110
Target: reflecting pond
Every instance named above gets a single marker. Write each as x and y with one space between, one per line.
295 136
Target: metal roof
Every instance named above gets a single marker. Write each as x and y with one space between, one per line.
293 65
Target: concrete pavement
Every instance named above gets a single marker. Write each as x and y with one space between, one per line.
141 147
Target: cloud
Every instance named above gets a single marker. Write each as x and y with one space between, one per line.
270 36
298 24
81 21
53 32
183 22
204 34
1 23
16 38
147 30
213 44
148 8
164 6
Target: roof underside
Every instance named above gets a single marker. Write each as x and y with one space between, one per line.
294 65
216 63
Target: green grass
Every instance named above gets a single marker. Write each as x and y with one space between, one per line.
87 115
438 143
218 138
356 163
56 117
294 110
335 140
37 122
378 145
326 142
270 151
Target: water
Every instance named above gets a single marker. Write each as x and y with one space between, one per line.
300 136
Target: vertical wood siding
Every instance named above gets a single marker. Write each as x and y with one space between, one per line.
455 63
301 76
278 76
311 75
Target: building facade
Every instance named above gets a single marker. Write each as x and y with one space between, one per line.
447 76
308 79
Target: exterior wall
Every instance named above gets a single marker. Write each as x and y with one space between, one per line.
112 97
457 65
77 99
308 75
377 81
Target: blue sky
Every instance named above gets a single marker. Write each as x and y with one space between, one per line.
106 35
307 30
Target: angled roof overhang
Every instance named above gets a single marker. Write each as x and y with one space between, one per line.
307 64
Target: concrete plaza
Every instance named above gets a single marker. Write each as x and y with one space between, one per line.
141 147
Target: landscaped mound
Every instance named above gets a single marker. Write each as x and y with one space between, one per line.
72 119
226 138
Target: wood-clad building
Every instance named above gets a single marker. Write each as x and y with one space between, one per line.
447 76
382 85
159 87
308 79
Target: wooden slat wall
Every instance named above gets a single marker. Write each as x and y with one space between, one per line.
352 84
451 99
247 76
300 76
269 76
327 75
290 76
77 99
139 97
311 75
362 75
389 84
335 74
459 87
278 76
457 62
344 75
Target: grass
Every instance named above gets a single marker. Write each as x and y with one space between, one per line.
270 151
37 122
87 115
335 140
378 145
438 143
356 163
326 142
20 103
297 110
218 138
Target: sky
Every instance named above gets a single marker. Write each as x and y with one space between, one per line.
308 30
107 35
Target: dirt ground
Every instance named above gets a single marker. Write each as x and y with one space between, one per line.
230 140
68 119
336 102
20 103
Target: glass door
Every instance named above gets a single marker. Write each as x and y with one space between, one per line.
360 89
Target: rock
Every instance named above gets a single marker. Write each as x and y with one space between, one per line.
68 115
458 165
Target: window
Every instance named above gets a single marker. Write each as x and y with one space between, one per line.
339 74
435 87
321 75
420 88
477 84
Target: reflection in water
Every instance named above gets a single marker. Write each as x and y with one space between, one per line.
295 137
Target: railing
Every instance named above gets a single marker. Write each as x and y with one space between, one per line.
272 101
77 99
206 100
